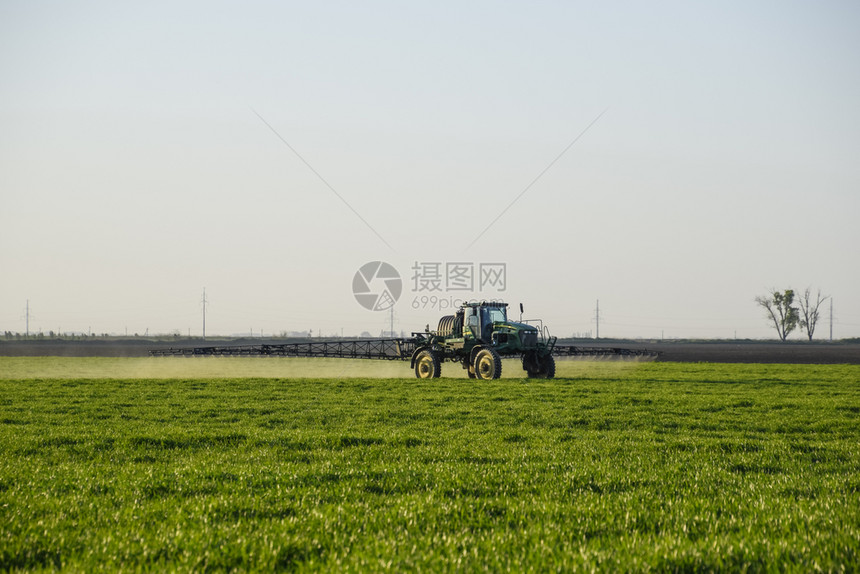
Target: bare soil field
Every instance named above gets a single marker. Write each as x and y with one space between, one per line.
682 352
752 352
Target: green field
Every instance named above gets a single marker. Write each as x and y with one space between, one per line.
613 466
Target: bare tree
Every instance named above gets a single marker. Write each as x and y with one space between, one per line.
809 310
778 306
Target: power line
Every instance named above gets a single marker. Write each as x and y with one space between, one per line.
204 313
27 318
535 180
322 179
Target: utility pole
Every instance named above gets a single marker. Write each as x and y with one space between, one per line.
597 320
831 319
204 313
27 321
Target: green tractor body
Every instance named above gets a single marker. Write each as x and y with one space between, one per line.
477 337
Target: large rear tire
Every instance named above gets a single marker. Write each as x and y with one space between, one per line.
488 364
428 365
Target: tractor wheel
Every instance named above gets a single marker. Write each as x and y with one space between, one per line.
547 367
530 365
540 367
488 364
427 365
471 373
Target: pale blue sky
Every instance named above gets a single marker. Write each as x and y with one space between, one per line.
134 170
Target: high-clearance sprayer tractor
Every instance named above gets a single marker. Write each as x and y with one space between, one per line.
477 336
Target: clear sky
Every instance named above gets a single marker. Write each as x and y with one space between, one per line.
266 151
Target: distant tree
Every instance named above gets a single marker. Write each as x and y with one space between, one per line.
779 309
809 310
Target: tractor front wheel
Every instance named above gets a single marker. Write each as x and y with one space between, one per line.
427 365
547 367
488 364
539 367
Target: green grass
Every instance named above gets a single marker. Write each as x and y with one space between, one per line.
629 467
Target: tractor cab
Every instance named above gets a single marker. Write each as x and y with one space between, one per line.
479 318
